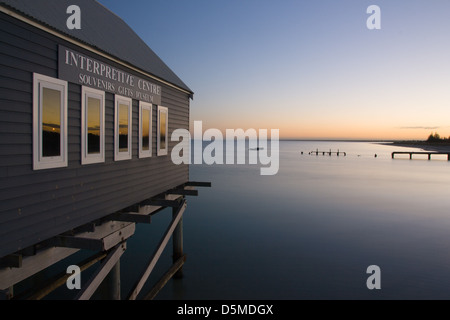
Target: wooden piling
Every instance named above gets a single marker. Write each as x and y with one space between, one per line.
165 278
112 283
7 294
102 271
109 238
429 154
177 241
61 279
317 152
157 253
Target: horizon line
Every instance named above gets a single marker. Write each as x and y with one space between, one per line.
329 139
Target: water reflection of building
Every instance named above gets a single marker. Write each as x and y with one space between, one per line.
84 163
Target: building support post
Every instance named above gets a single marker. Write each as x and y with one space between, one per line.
162 244
102 271
111 284
177 240
7 294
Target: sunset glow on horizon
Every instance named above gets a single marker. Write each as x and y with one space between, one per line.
311 69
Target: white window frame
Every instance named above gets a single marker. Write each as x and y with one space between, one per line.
39 161
118 156
162 152
87 158
145 106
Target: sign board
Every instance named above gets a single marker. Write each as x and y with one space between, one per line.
79 68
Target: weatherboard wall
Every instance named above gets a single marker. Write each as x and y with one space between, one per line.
37 205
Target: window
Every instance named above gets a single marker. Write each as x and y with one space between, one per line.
163 130
49 122
145 130
122 127
92 126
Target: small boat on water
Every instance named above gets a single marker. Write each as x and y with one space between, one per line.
257 148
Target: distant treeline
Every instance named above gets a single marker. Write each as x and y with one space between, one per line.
433 139
436 138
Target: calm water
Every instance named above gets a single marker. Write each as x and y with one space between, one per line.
311 231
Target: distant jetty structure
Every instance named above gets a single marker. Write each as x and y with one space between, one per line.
329 153
429 154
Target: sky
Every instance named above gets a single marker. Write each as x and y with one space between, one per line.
311 69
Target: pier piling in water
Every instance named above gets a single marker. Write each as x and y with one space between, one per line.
330 153
177 242
411 153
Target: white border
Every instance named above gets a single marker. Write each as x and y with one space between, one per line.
39 162
118 156
85 157
145 153
162 152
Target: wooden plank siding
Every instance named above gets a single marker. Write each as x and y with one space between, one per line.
37 205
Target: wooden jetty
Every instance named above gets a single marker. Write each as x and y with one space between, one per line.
328 153
429 154
108 238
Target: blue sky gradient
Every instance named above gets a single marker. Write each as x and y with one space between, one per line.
309 68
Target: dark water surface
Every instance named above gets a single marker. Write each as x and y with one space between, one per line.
311 231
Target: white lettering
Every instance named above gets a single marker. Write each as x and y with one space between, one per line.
198 142
74 21
274 158
216 147
74 281
240 136
374 281
194 310
181 151
213 152
374 21
132 86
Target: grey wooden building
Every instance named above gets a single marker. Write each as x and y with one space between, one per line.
86 119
